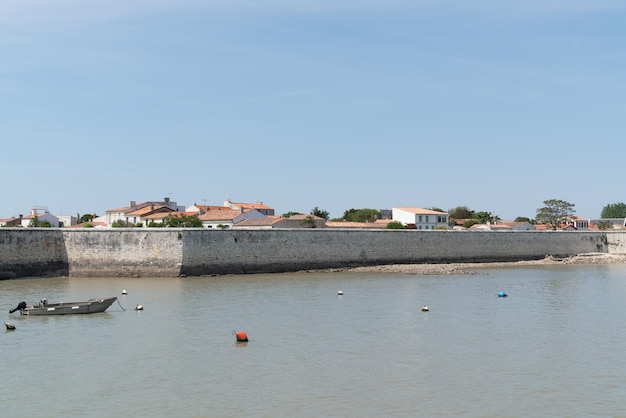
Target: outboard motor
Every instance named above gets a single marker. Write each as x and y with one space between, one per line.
19 307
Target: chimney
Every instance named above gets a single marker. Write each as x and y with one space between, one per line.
132 203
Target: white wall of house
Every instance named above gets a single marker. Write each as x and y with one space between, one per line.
111 217
67 220
422 218
54 221
218 224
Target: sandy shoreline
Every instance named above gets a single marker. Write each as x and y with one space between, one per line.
469 268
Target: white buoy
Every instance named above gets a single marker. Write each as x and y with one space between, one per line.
424 308
124 292
9 326
139 308
340 292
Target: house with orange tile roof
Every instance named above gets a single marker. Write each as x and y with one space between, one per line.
139 215
200 209
420 217
122 214
10 222
259 206
159 216
227 218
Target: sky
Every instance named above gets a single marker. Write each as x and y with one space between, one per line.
343 104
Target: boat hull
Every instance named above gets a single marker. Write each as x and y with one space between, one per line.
68 308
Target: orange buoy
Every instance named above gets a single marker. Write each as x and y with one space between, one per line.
241 336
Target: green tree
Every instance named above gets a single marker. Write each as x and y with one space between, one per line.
614 210
483 217
361 215
153 224
395 225
320 213
37 223
182 221
88 217
290 214
523 219
461 212
554 212
603 225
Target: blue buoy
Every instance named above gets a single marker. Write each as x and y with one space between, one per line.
502 295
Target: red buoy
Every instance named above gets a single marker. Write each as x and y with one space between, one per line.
241 336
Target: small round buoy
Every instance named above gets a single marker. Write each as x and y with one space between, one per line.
139 308
9 325
502 295
240 336
340 292
124 292
424 308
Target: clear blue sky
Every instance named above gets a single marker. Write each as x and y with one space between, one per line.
494 105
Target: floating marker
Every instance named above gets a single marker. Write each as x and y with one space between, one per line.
340 292
139 308
240 336
124 292
424 308
502 295
9 325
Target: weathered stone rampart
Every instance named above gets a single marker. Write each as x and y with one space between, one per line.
170 252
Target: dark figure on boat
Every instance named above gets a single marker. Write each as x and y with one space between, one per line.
20 306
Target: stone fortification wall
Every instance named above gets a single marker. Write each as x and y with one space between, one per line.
254 251
32 252
173 252
124 252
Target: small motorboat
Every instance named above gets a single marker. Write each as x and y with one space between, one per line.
65 308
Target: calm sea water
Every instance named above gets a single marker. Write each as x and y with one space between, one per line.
554 348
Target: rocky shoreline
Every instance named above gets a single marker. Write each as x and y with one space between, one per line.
470 268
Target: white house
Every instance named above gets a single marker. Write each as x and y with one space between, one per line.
122 214
579 224
41 215
421 218
67 220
